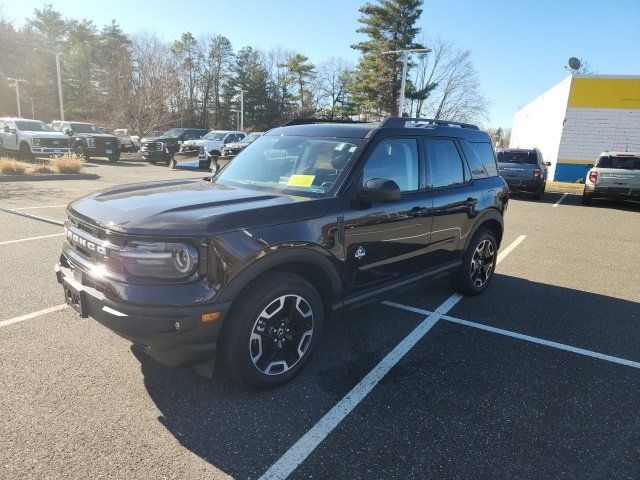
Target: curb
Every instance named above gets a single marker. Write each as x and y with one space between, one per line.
36 177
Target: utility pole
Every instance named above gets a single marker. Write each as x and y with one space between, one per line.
57 54
404 57
242 110
16 83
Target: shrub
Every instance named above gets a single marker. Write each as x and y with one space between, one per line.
41 167
9 166
70 163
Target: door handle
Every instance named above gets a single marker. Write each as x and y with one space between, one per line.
471 202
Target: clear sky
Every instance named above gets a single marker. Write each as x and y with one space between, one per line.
519 47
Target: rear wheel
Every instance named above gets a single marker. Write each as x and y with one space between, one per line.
25 153
272 330
586 199
478 264
538 195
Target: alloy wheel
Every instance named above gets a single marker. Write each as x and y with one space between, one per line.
482 263
281 334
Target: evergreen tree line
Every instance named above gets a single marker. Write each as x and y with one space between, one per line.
141 82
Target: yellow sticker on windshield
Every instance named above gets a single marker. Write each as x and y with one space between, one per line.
300 180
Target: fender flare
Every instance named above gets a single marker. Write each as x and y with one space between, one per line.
491 214
282 257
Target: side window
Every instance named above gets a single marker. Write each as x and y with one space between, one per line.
396 160
484 150
444 163
476 165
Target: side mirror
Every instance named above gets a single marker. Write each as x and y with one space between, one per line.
69 132
381 190
548 164
7 129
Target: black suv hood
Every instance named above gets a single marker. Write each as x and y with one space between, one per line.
191 208
93 135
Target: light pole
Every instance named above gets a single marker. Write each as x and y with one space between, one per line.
57 54
242 110
404 56
33 112
16 82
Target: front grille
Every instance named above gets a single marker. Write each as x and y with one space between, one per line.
107 143
151 146
54 142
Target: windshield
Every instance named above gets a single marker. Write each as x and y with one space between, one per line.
252 136
299 165
32 126
173 133
85 128
216 136
626 163
526 156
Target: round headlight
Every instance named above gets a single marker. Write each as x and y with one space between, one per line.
184 258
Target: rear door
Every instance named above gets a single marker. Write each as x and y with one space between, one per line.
456 199
388 240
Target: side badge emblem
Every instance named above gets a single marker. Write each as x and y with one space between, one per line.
360 253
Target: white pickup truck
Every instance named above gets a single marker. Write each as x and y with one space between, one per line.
615 176
29 139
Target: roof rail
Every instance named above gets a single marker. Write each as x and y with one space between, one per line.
309 121
401 122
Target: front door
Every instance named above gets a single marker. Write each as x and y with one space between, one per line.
10 139
386 240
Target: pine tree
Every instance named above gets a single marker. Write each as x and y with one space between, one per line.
389 25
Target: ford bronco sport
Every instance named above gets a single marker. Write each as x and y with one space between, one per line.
308 219
615 176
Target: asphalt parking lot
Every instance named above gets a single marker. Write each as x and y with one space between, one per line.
537 378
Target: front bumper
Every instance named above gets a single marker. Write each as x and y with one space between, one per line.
156 155
104 152
173 335
49 152
524 185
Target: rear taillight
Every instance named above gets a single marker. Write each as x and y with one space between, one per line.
537 172
593 177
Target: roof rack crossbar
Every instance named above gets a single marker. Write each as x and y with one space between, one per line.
401 122
310 121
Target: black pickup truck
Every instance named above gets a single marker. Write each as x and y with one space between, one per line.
162 148
89 141
312 219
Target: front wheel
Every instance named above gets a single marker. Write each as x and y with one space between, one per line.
172 163
478 264
272 330
114 159
25 153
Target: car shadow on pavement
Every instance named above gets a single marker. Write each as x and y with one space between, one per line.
242 432
95 162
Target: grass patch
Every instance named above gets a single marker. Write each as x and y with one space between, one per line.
9 166
70 163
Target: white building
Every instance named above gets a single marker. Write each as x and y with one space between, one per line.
579 118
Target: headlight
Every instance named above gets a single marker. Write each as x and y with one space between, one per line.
91 142
36 142
158 260
160 146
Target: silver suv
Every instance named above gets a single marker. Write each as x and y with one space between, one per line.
615 176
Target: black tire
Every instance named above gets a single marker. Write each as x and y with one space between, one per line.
114 159
152 162
586 199
25 153
538 195
82 152
467 279
247 318
172 163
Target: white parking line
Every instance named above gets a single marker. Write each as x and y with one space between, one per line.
520 336
41 206
29 316
560 200
6 242
310 440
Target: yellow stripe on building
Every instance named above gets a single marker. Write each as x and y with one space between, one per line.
573 161
605 93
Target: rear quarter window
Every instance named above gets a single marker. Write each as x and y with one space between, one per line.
484 151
